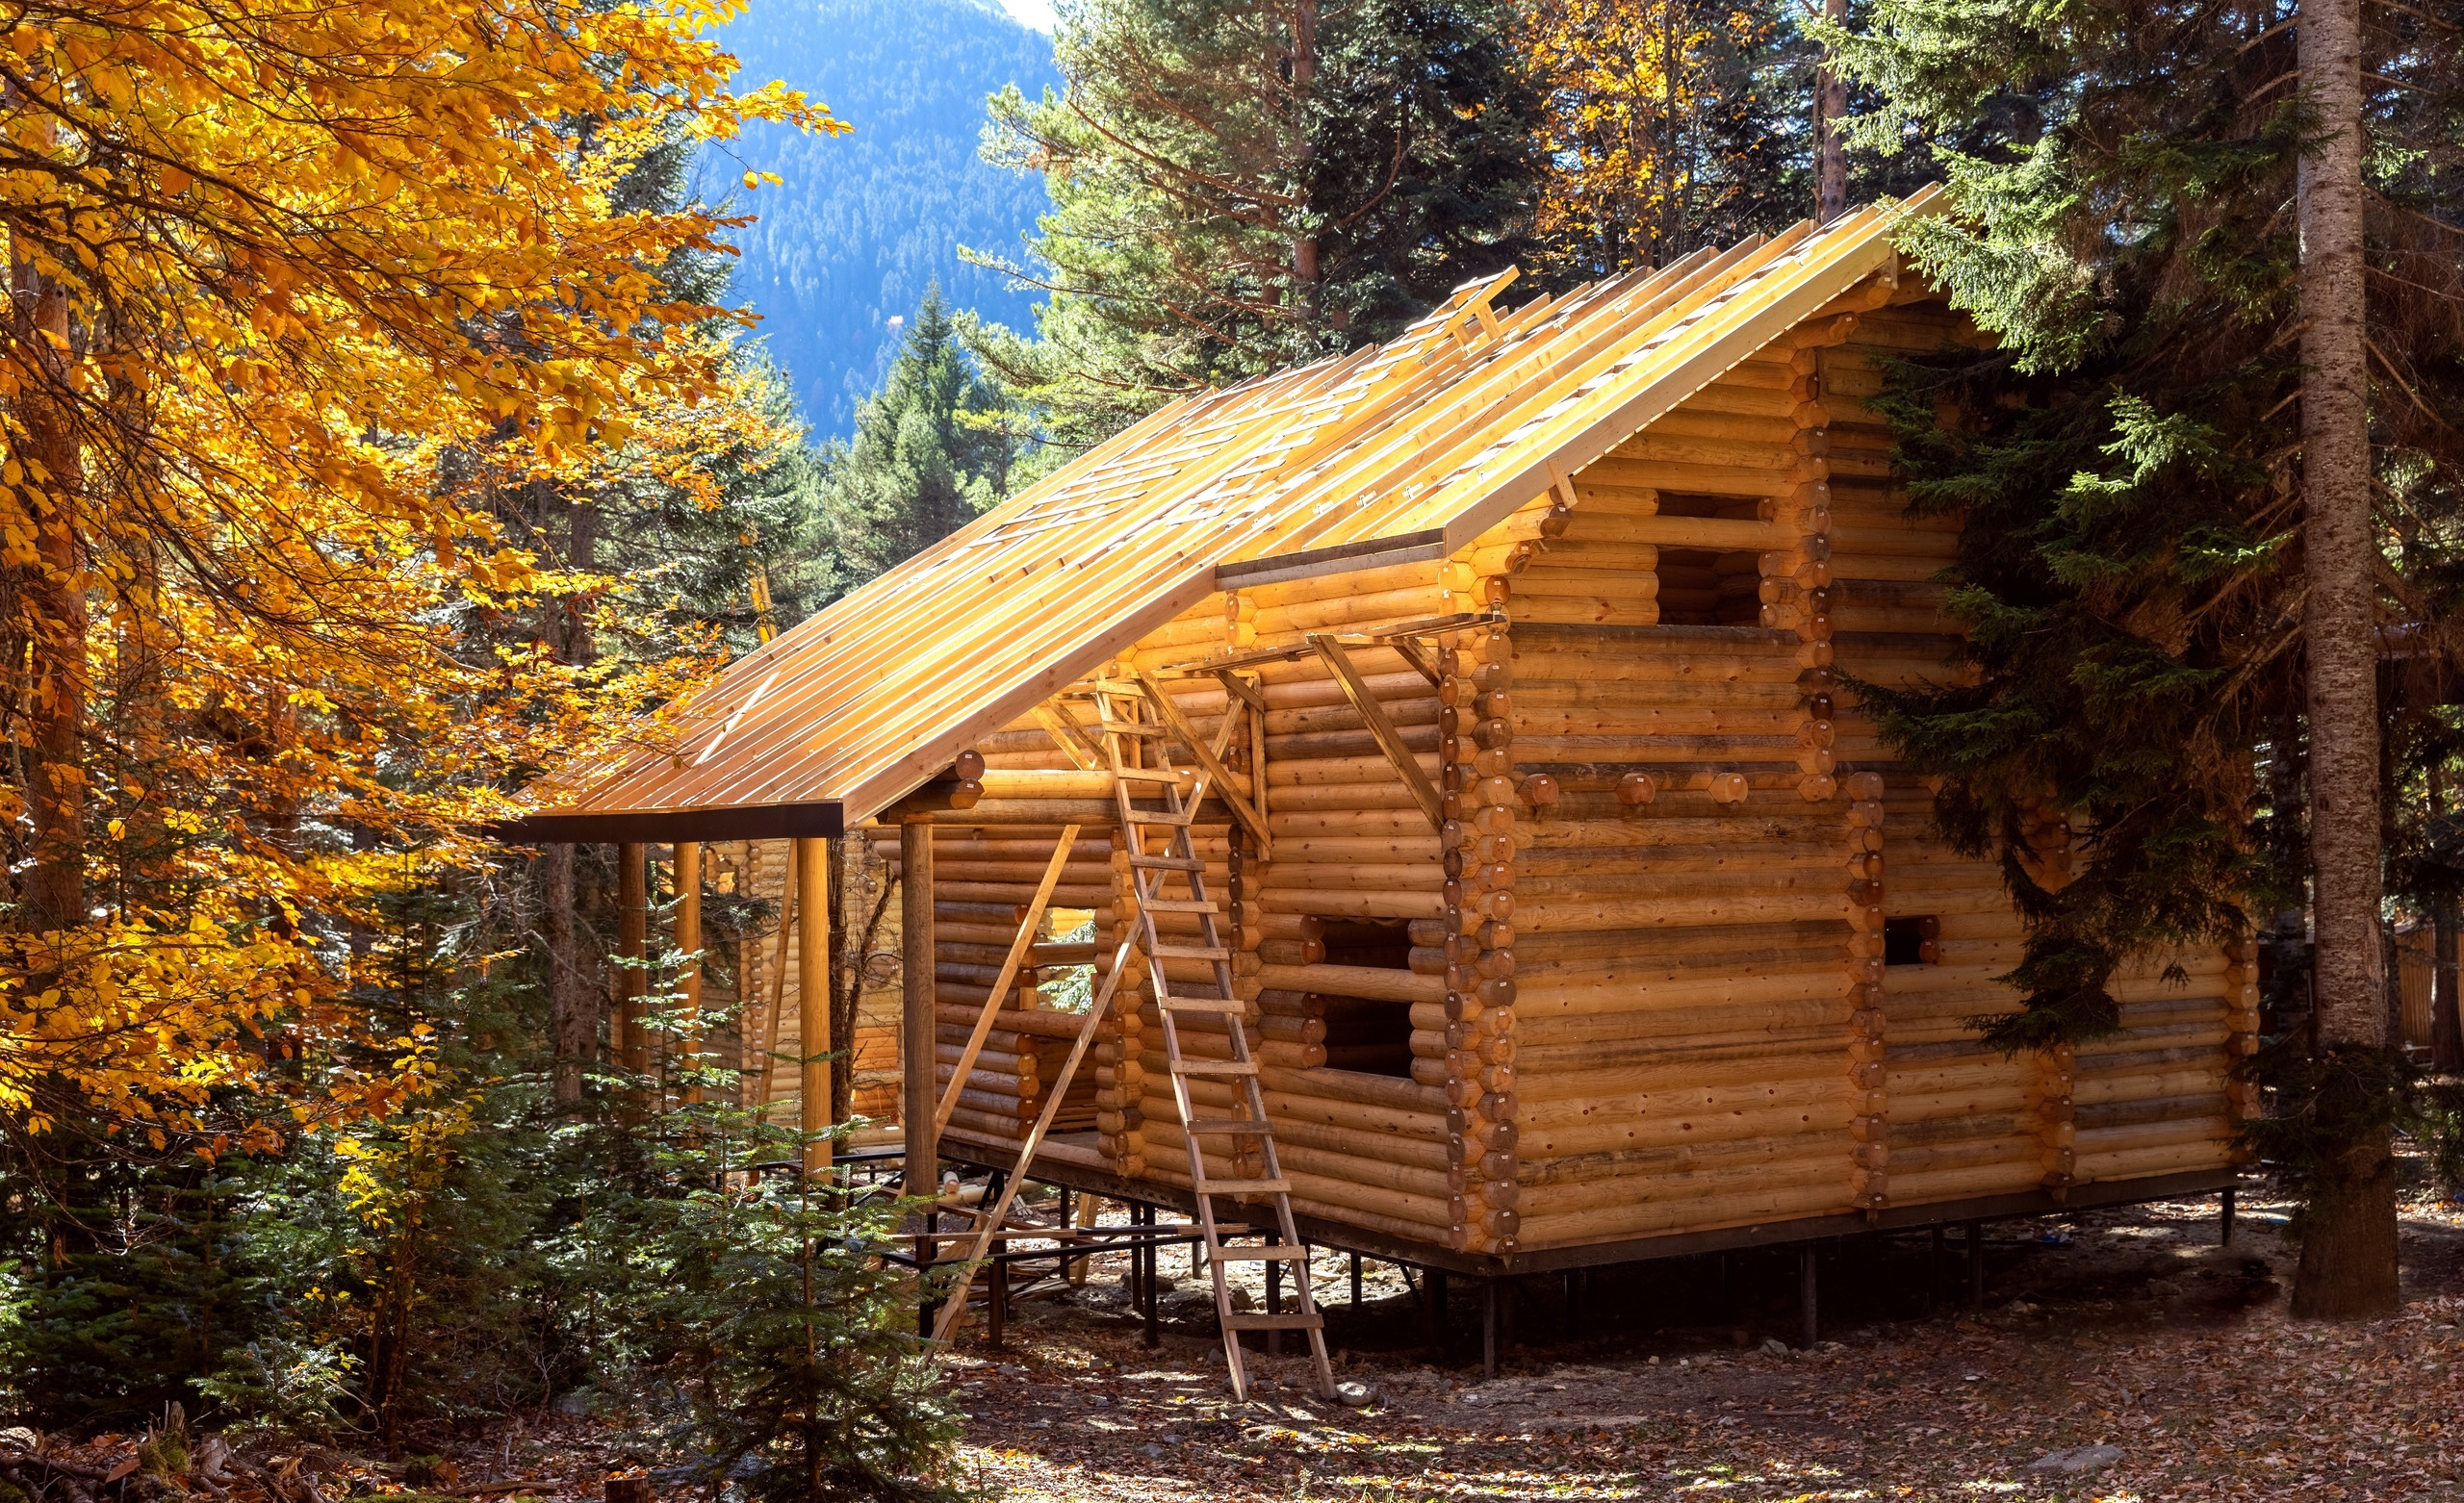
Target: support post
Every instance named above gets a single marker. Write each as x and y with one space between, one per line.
688 945
2224 1237
1934 1272
1573 1302
632 944
1808 1265
815 1111
1153 1257
1355 1281
917 1097
997 1303
1976 1267
1488 1328
1274 1306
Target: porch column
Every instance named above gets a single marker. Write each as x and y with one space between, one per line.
812 1000
919 1097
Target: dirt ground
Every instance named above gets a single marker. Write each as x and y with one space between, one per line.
2128 1329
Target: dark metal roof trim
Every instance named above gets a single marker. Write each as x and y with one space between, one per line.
1339 559
758 821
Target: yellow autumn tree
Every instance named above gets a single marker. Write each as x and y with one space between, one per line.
1660 129
276 273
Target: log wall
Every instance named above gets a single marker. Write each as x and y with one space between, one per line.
1635 976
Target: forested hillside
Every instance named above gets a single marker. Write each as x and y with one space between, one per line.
863 223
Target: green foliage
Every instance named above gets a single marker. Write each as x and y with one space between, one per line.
777 1346
931 452
2130 564
1234 190
2333 1101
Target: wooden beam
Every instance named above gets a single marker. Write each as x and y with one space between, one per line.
1209 760
1068 735
808 894
1389 740
1018 949
916 1105
1410 651
778 981
688 947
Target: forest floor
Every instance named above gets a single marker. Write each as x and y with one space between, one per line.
2128 1329
2126 1344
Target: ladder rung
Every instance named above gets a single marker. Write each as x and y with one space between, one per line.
1162 952
1244 1187
1204 1004
1180 906
1240 1127
1214 1066
1261 1255
1154 816
1294 1320
1146 774
1128 727
1168 863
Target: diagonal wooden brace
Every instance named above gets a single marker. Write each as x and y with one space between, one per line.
1383 729
1209 759
1017 956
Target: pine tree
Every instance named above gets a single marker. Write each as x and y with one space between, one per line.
1241 185
929 452
2144 544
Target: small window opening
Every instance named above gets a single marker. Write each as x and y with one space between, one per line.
1064 957
1914 940
1709 587
1369 1034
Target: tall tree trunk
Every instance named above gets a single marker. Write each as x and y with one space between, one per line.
573 1003
1830 107
52 597
1305 273
2347 1269
1666 233
575 999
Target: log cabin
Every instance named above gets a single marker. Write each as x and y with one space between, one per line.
1571 910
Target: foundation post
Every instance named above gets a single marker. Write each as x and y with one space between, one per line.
1976 1267
1488 1328
1809 1266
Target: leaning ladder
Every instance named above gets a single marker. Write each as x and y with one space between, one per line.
1135 743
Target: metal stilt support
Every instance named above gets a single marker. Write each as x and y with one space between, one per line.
1808 1265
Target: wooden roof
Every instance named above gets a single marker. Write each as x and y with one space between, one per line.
1408 450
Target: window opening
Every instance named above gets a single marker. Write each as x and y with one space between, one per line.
1914 940
1064 957
1368 1035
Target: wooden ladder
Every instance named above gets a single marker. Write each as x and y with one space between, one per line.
1133 716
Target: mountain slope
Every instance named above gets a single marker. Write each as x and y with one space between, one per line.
865 221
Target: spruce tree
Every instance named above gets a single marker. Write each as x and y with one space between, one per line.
931 452
2147 541
1241 185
